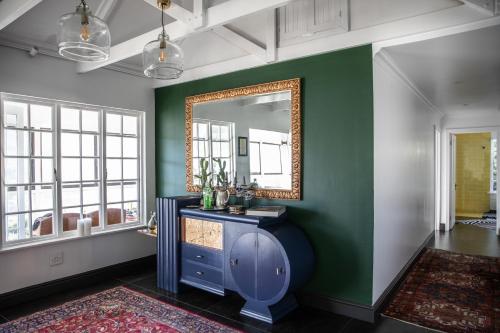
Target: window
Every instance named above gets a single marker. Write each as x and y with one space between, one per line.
270 158
493 168
62 162
213 139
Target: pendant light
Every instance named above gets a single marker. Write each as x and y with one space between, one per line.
83 36
163 59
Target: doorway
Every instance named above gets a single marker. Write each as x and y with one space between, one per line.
473 178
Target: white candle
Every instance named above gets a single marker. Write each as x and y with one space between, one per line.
88 226
80 224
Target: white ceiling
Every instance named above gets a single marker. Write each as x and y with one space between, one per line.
458 73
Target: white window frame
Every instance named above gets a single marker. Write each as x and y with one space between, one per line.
57 229
231 141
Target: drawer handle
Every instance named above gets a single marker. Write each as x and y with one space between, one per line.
199 256
199 273
279 270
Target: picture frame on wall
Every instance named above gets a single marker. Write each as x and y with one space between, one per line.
242 146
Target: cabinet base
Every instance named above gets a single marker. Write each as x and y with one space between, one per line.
269 314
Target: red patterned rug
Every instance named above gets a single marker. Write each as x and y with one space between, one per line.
450 292
115 310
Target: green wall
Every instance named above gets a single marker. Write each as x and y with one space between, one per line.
337 207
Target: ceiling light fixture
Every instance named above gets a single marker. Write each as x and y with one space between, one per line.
161 58
83 36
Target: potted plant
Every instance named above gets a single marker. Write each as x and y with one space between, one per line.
206 184
222 190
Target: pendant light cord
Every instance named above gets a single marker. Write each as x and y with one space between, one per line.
162 18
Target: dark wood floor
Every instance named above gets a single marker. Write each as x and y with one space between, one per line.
464 239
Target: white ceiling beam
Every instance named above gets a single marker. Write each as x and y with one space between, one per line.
11 10
177 12
200 12
241 42
271 36
216 16
104 9
484 6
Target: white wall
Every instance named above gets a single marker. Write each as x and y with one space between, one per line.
49 77
403 173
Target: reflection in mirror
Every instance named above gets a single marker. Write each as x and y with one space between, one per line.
252 134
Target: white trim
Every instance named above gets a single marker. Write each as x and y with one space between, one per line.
445 169
57 183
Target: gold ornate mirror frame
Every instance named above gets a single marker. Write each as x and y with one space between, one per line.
292 85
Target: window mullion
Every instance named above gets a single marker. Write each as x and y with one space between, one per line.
58 180
104 170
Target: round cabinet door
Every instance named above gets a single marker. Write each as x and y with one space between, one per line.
242 263
271 268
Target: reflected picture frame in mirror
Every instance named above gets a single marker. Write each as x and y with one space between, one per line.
294 87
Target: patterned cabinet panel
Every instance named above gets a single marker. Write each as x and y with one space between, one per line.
202 233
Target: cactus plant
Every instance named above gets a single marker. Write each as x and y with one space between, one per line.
204 174
222 176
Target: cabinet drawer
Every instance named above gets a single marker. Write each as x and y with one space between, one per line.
195 272
202 255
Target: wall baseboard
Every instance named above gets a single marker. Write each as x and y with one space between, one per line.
81 280
369 313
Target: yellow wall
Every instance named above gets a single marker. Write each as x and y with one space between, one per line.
473 174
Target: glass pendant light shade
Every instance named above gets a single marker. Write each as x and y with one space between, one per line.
82 36
163 59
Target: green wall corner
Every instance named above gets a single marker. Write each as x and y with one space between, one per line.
336 210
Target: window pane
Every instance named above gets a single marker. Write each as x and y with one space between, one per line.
15 114
42 223
254 157
131 211
93 213
70 144
42 144
130 191
16 143
203 131
215 132
224 133
130 125
70 169
216 149
114 146
42 197
16 170
43 170
129 147
195 149
114 167
91 193
17 227
90 121
203 148
90 145
70 218
70 119
114 214
17 199
130 169
113 123
114 192
224 149
70 195
271 158
90 169
41 116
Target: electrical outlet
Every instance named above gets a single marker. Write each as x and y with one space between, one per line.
56 259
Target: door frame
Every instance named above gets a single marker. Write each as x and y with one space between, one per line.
446 153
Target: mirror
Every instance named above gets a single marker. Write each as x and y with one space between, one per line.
255 130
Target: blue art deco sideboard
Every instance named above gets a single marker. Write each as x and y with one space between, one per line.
263 259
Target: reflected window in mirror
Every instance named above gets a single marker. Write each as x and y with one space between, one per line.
270 158
213 139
